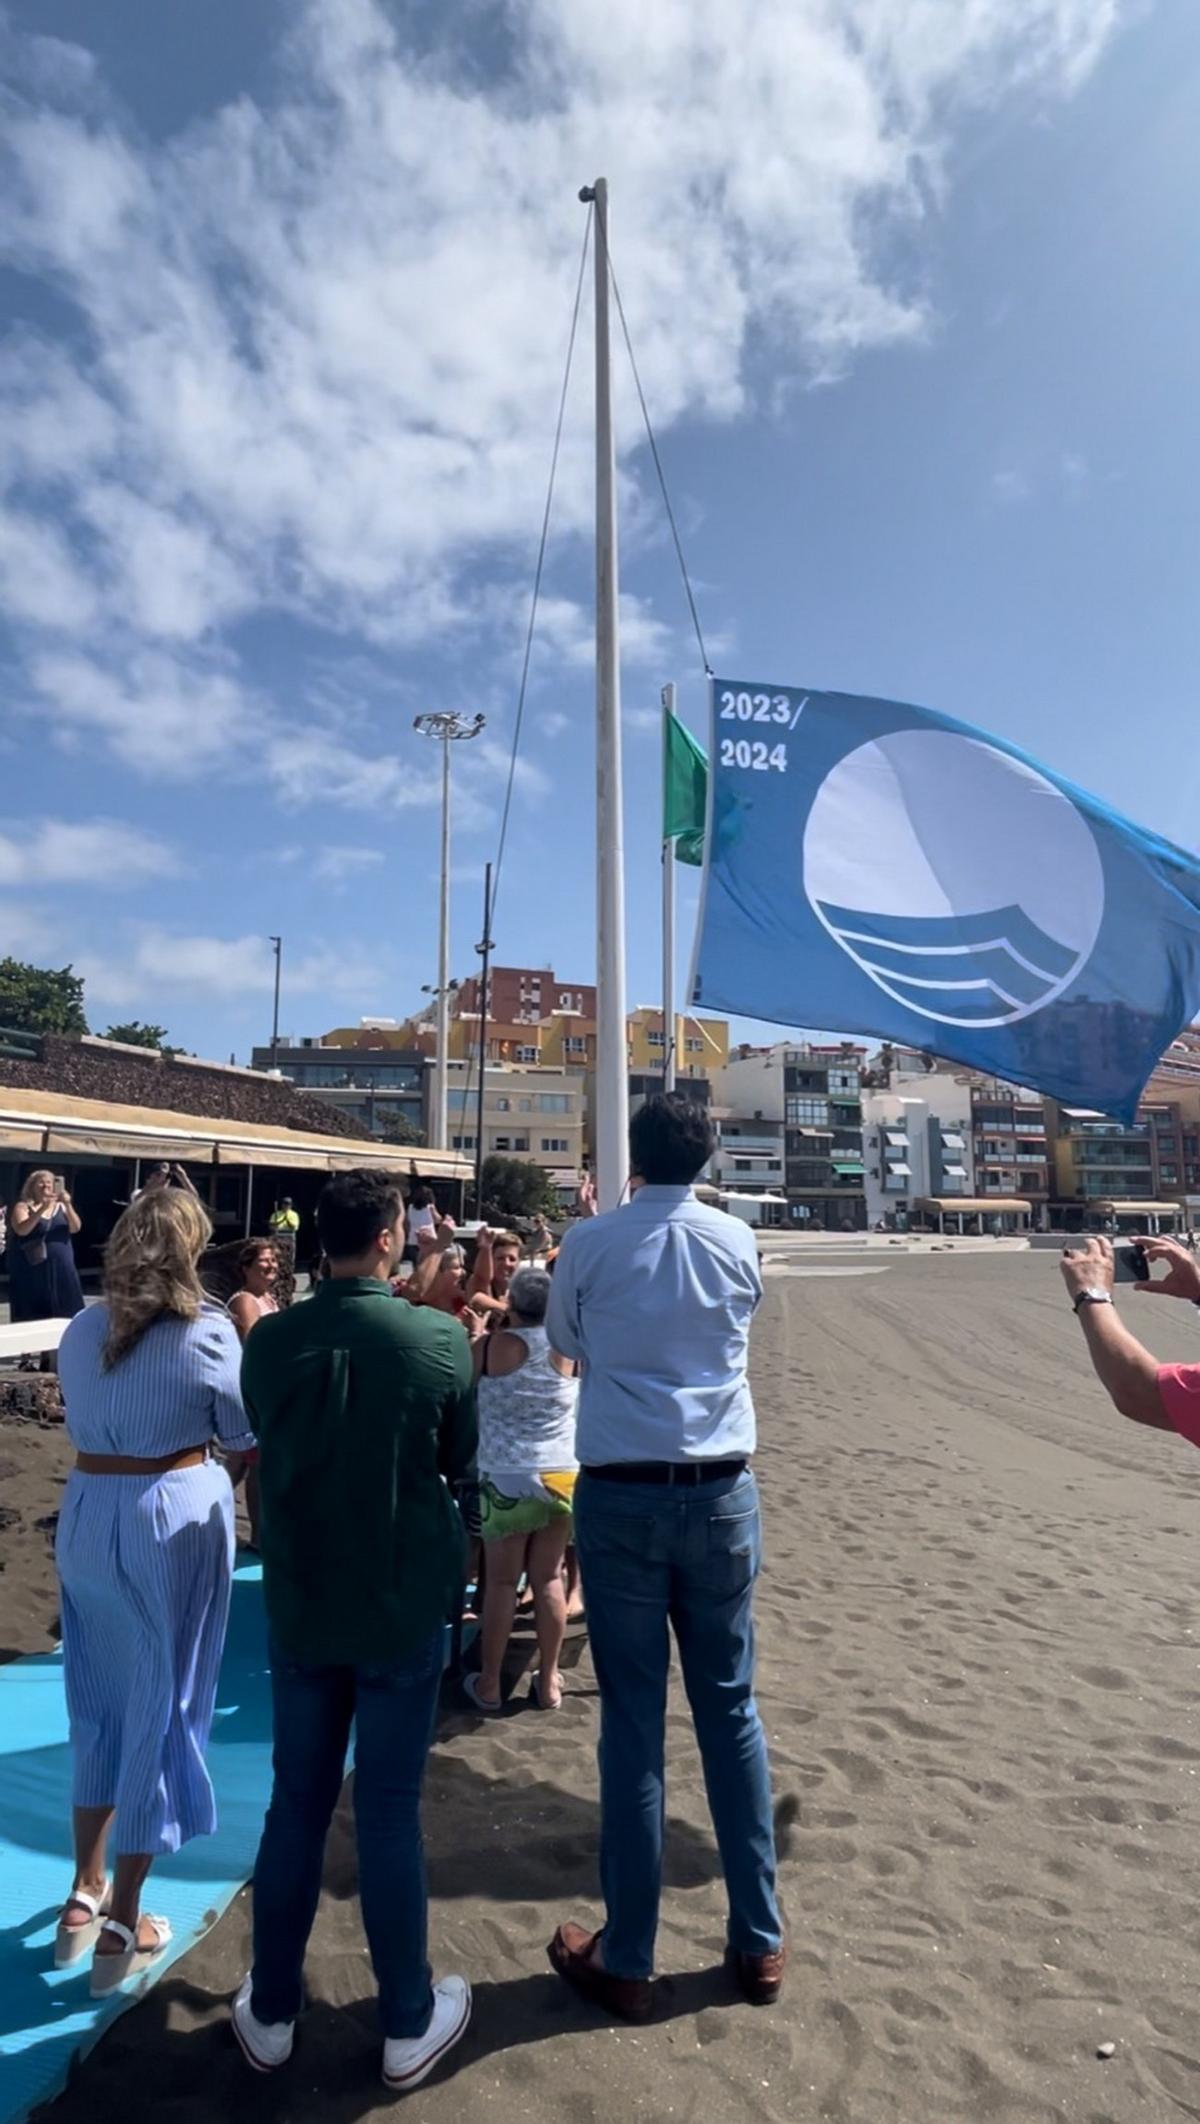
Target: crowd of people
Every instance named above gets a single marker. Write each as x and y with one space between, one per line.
598 1393
390 1422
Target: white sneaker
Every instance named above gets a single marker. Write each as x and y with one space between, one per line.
408 2061
262 2046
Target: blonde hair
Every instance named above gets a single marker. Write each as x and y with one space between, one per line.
150 1266
43 1173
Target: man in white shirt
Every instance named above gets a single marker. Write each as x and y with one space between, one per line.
656 1300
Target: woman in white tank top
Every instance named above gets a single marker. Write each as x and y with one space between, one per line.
527 1469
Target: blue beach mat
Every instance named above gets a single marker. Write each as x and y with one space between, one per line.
47 2016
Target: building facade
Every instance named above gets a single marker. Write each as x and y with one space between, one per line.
916 1147
701 1044
1010 1144
531 1113
370 1083
812 1096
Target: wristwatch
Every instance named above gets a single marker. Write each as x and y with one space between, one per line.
1093 1296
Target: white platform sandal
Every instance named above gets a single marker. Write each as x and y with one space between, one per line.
110 1971
71 1942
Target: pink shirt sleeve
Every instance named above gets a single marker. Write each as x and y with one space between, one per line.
1179 1386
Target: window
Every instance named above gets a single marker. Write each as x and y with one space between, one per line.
803 1112
527 1054
553 1103
503 1143
503 1106
554 1143
743 1165
654 1039
576 1046
566 1000
525 1106
695 1047
462 1143
520 1143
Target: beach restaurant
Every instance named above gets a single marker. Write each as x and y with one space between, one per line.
240 1169
974 1213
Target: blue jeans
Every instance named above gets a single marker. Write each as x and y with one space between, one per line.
393 1710
651 1556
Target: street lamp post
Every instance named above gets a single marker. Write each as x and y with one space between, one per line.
447 727
276 944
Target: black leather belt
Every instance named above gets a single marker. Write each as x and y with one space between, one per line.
678 1474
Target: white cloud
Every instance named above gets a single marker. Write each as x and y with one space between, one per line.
27 932
40 580
156 960
338 864
324 332
552 723
101 853
1009 485
158 715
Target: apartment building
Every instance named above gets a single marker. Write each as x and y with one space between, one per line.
813 1096
917 1148
1010 1144
701 1044
533 1113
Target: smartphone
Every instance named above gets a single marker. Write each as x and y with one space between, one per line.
1130 1264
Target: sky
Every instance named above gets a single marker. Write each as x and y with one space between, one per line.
285 289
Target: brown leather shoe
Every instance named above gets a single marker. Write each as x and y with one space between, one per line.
759 1976
571 1953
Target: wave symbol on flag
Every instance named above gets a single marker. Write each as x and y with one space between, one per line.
963 970
956 876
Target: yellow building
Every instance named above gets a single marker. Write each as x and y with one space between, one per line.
701 1044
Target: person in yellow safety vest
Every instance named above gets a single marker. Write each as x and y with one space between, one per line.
285 1218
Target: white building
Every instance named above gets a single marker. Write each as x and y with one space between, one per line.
748 1168
916 1144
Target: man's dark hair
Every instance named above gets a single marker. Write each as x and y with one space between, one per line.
353 1209
671 1140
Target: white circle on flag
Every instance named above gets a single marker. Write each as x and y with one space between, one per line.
962 882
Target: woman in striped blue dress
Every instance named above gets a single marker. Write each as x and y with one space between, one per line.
145 1562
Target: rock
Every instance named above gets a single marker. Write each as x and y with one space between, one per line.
1106 2050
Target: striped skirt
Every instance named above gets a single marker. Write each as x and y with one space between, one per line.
145 1564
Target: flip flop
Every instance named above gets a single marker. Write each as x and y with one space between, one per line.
109 1971
536 1697
71 1942
470 1684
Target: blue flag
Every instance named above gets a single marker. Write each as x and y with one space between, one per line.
875 868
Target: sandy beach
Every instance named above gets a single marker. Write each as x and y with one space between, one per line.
980 1673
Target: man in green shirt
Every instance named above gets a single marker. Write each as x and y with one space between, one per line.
364 1410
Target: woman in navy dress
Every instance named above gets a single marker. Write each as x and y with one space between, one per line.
150 1381
43 1280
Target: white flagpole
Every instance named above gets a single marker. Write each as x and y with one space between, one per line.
612 1079
668 913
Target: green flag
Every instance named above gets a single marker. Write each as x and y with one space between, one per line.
685 791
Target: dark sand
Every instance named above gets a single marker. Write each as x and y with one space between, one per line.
980 1672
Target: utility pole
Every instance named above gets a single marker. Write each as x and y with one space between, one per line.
612 1073
485 952
277 946
447 728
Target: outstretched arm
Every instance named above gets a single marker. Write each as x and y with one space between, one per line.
1126 1371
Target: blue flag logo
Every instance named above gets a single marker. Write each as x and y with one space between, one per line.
875 868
